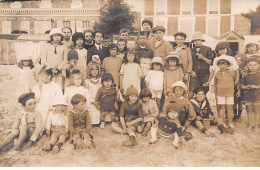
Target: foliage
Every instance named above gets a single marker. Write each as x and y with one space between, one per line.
255 20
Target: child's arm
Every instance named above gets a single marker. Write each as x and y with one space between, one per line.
139 73
88 123
65 58
190 63
192 115
215 86
122 119
37 89
212 72
181 74
237 76
155 110
165 86
48 124
121 83
139 119
70 123
201 57
17 121
38 127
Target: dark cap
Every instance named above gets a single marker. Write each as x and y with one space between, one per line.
159 28
180 34
24 97
148 22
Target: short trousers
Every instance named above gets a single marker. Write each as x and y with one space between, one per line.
156 93
225 100
198 81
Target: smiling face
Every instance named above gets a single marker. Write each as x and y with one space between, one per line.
179 91
30 105
173 114
132 99
179 40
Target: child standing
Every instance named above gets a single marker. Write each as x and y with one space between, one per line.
154 79
107 40
224 91
204 115
121 44
107 97
130 72
144 54
78 40
77 86
57 125
168 127
252 49
45 91
55 55
202 57
150 110
79 123
173 72
26 74
113 64
27 125
251 91
131 115
181 105
93 83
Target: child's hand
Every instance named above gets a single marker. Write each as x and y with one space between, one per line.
206 84
128 124
249 86
186 77
124 130
122 89
96 105
243 73
238 94
253 86
200 56
193 74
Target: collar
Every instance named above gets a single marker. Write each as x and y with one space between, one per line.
142 46
97 46
79 48
196 103
183 46
177 97
94 81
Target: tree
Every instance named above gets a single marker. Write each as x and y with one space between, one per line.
115 15
255 20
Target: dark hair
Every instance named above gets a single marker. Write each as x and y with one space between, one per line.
130 51
228 51
122 40
94 34
172 58
77 98
88 30
30 64
76 36
223 61
51 38
182 34
145 93
25 97
112 45
48 72
148 22
142 33
108 37
124 30
152 67
251 44
67 28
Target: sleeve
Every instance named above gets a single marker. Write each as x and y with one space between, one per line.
98 95
37 92
70 123
215 64
140 111
65 57
234 62
38 127
209 54
151 54
122 110
168 49
48 121
17 121
88 123
181 73
122 70
148 77
89 55
192 114
190 62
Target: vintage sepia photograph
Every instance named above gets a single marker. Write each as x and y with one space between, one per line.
129 83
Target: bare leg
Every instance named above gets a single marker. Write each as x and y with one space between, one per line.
21 138
250 111
230 115
9 138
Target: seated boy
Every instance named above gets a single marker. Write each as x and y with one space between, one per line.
79 123
204 115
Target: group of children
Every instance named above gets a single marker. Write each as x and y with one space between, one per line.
140 87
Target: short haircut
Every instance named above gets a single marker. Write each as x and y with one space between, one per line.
152 66
251 44
48 72
112 45
51 38
124 30
88 30
76 36
130 51
142 33
145 93
67 28
77 98
108 37
223 61
148 22
25 97
94 34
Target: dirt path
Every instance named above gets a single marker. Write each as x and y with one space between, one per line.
241 149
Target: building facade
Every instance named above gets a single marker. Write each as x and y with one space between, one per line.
211 17
40 16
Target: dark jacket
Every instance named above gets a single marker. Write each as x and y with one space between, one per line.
103 53
143 52
203 111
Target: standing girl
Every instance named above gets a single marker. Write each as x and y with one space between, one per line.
172 72
55 55
78 40
154 79
93 83
130 72
77 86
112 64
26 76
250 85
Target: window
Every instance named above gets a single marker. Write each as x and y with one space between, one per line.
6 27
186 7
160 7
25 26
186 25
66 23
213 6
213 26
41 26
160 20
88 24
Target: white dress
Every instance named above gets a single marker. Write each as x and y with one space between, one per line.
131 73
93 85
72 90
26 80
45 98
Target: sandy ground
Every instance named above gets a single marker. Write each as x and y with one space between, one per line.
240 149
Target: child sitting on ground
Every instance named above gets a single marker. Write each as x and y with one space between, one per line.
79 123
27 126
106 99
182 105
131 115
204 115
168 127
57 125
150 110
224 91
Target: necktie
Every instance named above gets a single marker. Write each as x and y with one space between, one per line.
100 47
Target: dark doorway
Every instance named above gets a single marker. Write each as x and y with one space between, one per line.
234 48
